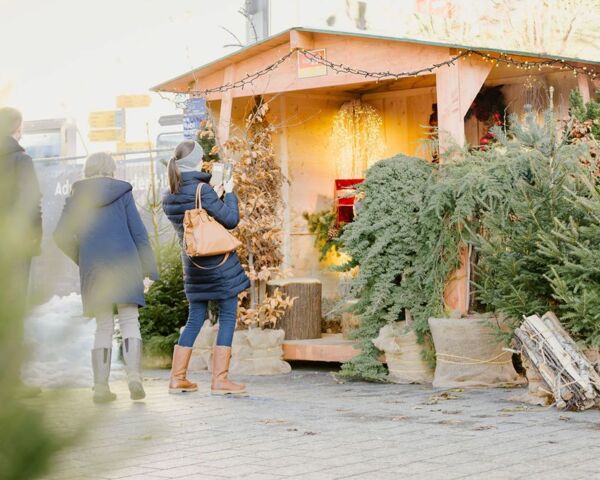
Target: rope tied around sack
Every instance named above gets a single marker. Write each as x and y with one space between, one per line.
446 358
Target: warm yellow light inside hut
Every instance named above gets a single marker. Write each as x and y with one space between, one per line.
335 259
358 137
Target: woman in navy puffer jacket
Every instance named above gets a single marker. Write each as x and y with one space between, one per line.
101 230
219 278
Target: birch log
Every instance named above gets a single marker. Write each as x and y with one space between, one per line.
570 376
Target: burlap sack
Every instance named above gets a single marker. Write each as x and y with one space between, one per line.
403 354
469 355
202 352
258 352
538 393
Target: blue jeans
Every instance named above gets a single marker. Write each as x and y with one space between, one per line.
197 315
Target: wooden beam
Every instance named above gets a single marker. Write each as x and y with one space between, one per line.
410 92
309 94
304 40
584 87
456 294
226 105
285 186
457 86
329 348
450 120
473 73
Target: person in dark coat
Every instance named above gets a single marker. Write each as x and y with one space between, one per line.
20 198
219 278
101 231
21 189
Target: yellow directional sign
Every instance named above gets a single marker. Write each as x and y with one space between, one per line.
107 119
134 146
107 135
133 101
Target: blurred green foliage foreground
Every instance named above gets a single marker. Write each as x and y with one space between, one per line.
27 442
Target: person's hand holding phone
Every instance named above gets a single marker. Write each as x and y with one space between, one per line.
228 178
220 190
228 185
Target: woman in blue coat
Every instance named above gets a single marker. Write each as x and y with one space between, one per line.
101 231
220 278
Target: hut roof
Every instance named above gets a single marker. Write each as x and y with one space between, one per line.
176 84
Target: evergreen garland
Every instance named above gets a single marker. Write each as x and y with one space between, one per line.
323 226
384 240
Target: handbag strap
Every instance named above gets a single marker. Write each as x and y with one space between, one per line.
199 196
210 268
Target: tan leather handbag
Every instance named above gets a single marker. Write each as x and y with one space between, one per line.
203 236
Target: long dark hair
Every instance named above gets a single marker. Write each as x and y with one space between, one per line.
182 150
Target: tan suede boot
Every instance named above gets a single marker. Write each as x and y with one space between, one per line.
179 383
221 385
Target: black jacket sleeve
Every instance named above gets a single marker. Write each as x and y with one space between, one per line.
32 201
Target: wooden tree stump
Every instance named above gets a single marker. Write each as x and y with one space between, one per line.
303 320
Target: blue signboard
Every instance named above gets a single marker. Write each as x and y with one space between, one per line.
193 114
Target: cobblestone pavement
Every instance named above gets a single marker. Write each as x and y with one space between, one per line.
308 426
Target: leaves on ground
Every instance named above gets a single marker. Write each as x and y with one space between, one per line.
450 422
273 421
485 427
434 399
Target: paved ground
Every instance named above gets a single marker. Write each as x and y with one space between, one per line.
307 426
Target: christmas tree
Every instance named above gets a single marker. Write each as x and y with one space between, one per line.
512 240
574 247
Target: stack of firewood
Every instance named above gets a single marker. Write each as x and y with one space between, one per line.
570 376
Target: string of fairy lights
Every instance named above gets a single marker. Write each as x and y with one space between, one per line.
497 60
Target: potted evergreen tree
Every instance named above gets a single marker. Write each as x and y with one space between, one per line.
531 178
385 242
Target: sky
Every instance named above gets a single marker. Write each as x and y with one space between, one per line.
65 58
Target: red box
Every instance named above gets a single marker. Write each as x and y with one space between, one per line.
343 196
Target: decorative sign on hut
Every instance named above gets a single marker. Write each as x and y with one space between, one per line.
309 67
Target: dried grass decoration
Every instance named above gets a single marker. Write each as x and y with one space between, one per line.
259 180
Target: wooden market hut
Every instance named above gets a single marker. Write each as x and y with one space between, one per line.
305 97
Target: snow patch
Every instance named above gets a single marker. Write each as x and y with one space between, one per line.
59 339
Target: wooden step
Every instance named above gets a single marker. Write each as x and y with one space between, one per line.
328 348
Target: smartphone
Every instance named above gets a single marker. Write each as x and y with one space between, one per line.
217 173
227 172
